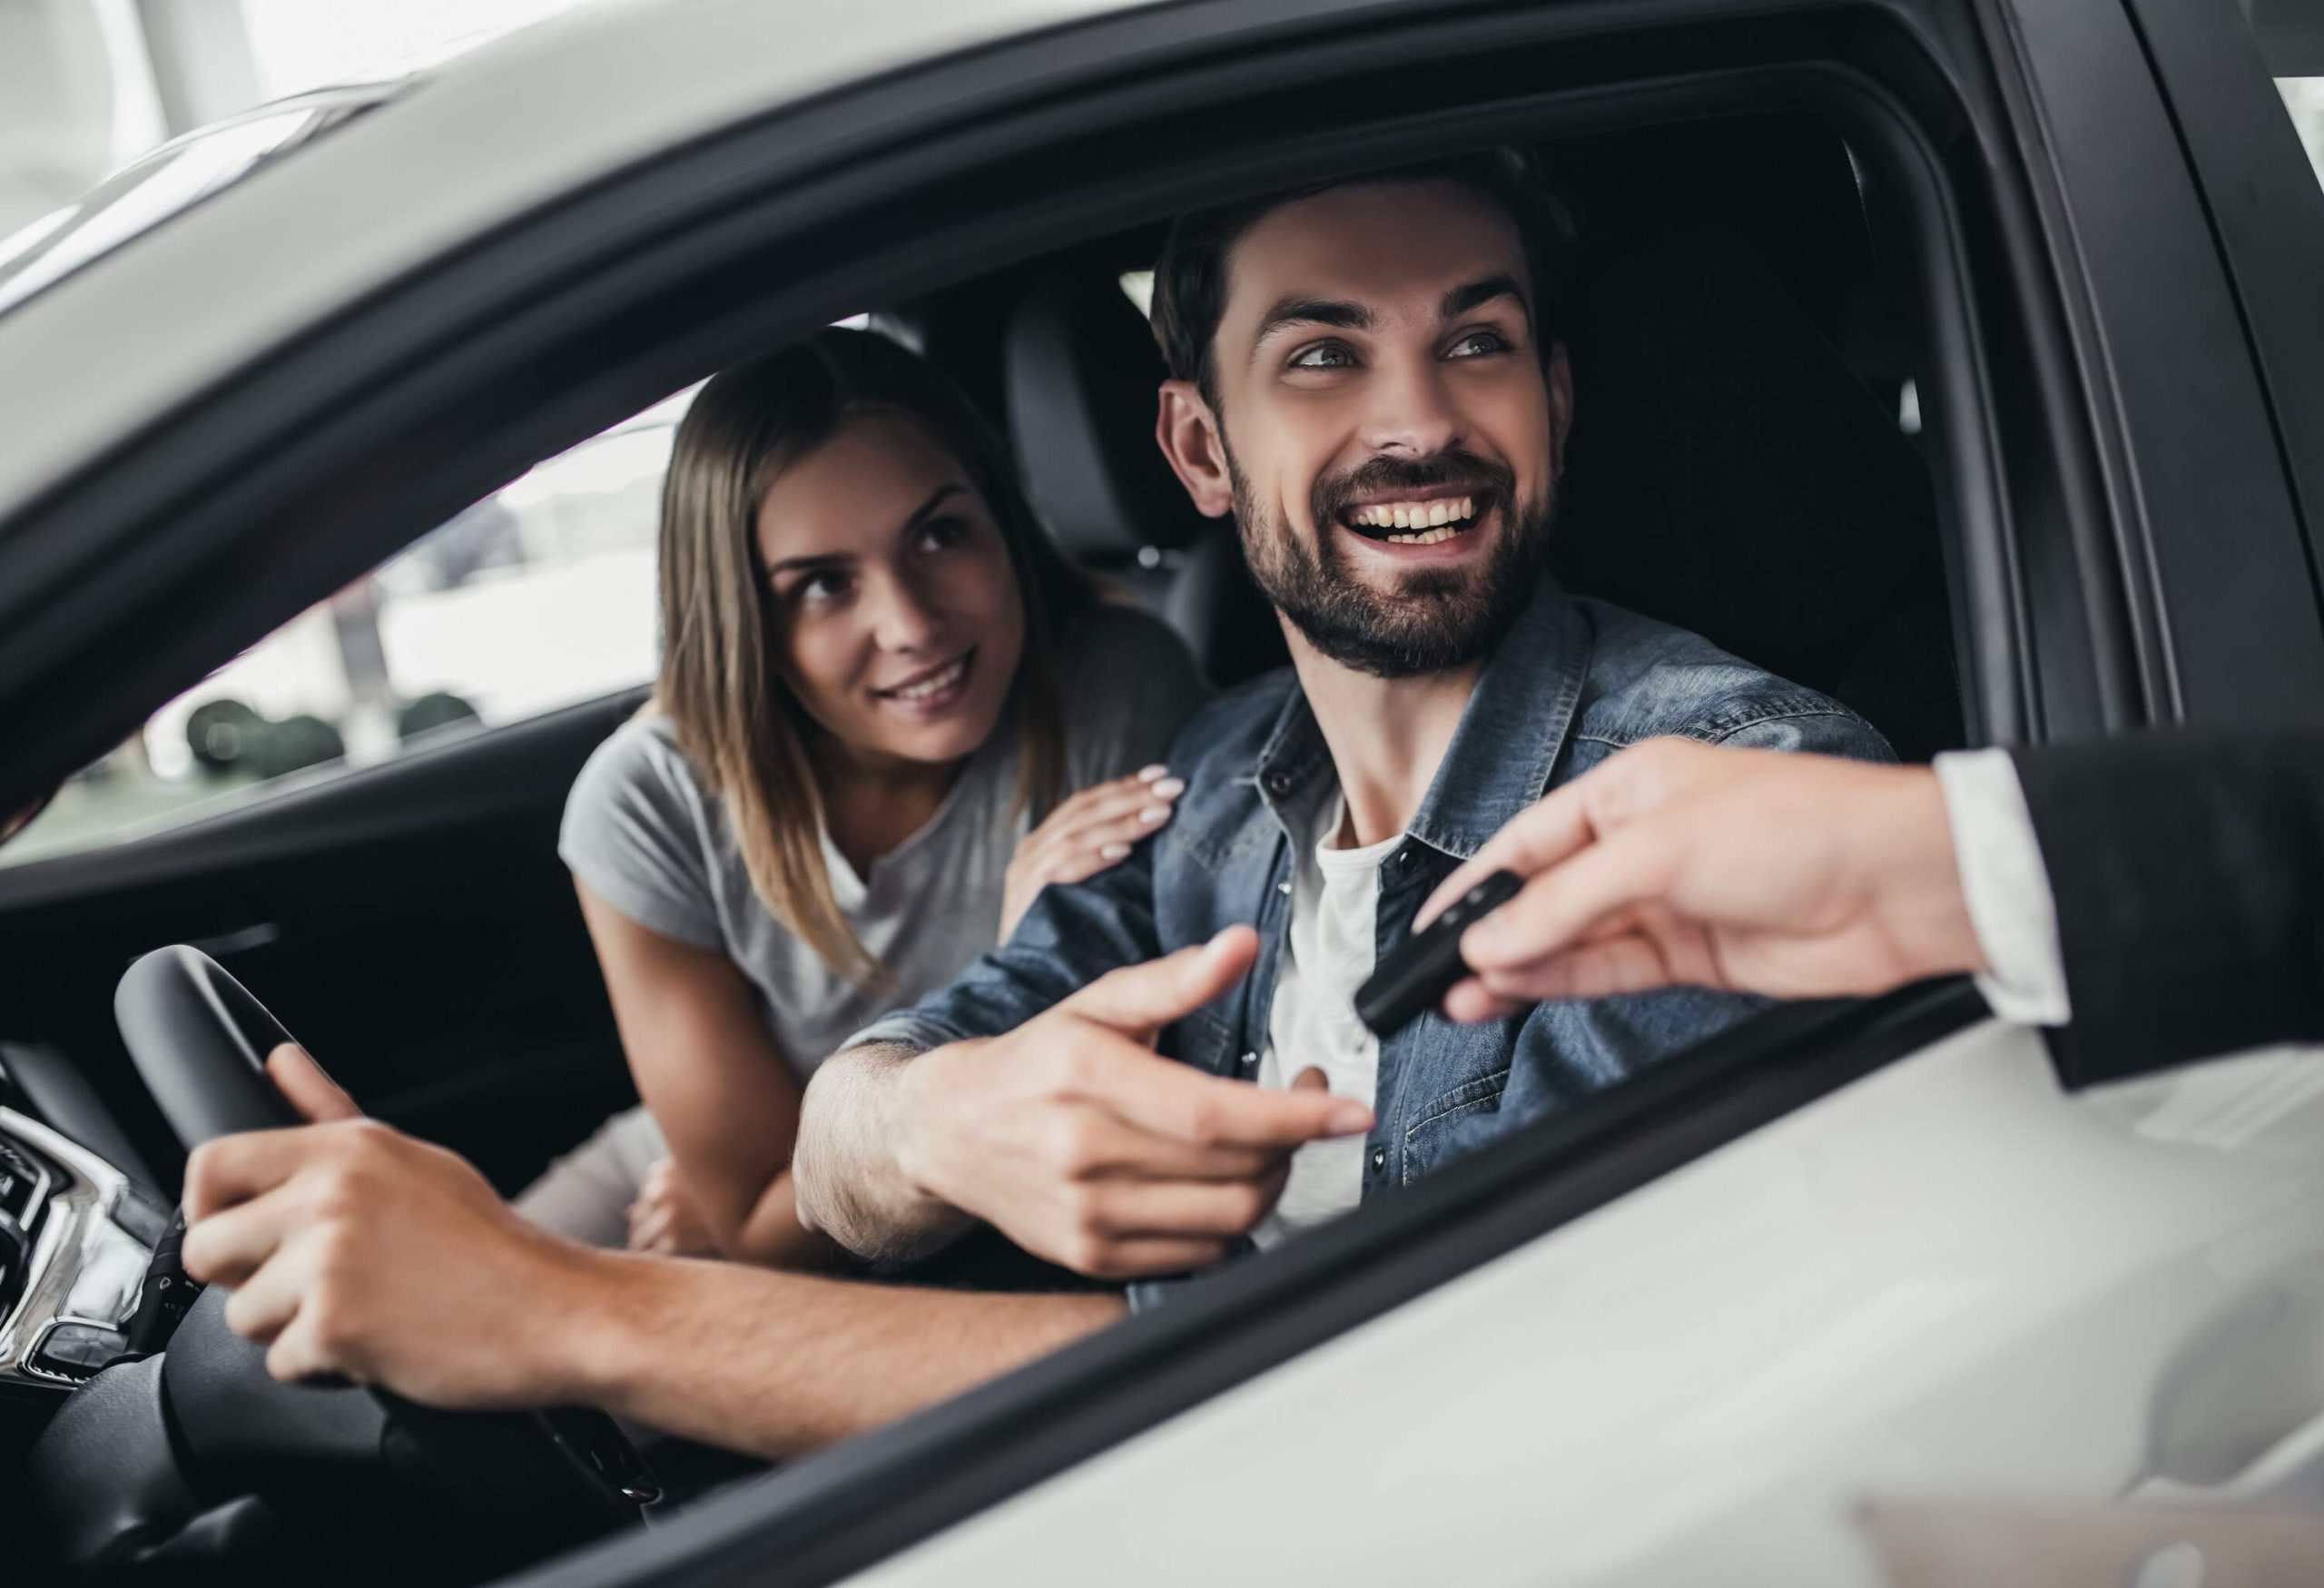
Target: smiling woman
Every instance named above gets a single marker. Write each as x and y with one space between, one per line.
859 765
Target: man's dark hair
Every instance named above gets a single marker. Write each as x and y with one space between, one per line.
1190 278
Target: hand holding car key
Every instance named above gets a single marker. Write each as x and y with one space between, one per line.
1419 970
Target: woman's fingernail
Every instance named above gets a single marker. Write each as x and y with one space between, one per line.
1113 851
1152 814
1169 788
1148 773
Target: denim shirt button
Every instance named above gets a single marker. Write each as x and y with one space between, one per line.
1278 783
1379 1159
1250 1061
1405 856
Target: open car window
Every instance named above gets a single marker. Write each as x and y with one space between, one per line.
537 596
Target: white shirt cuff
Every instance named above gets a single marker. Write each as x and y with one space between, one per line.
2011 906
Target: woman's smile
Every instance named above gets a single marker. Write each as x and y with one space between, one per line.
931 691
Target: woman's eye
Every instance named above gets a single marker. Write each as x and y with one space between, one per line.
944 533
1478 343
1323 356
818 587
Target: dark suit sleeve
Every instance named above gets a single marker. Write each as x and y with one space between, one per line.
2188 873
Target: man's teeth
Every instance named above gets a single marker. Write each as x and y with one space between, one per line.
1424 516
935 685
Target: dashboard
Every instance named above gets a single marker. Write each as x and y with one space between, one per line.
76 1236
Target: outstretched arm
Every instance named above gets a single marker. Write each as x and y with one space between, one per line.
1680 863
353 1249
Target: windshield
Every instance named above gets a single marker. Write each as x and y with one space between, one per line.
167 182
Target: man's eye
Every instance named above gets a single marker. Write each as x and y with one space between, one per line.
1323 356
1478 344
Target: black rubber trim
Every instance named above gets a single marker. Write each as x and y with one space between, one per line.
826 1517
2260 194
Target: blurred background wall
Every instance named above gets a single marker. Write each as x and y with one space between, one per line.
86 85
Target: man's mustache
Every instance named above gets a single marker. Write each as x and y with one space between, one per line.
1455 467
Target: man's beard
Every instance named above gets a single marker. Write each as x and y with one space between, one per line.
1436 618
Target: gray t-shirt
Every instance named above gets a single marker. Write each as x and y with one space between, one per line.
649 838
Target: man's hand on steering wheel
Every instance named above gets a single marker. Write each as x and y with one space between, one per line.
354 1249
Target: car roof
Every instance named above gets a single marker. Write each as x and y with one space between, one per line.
461 148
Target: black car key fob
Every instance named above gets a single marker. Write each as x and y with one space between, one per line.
1419 970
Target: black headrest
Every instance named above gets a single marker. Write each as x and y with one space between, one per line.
1082 373
1728 473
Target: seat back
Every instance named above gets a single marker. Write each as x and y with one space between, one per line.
1728 473
1081 373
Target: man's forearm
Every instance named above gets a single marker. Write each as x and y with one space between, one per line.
780 1364
848 1167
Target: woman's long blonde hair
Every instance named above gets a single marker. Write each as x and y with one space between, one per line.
737 719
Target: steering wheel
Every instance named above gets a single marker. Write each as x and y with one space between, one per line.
537 1482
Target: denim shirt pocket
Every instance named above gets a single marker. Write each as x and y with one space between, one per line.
1423 1138
1203 1039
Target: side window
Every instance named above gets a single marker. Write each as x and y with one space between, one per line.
2303 97
539 597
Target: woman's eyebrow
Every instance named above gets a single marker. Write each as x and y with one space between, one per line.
820 559
935 500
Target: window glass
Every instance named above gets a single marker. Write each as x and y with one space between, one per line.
540 595
2304 98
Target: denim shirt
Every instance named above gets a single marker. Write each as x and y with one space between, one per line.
1574 681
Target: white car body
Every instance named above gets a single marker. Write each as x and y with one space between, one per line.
1948 1283
541 113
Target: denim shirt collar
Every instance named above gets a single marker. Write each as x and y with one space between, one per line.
1502 755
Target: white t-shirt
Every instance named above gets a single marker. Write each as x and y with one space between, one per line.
1334 915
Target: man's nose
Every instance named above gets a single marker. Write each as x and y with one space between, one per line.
1413 413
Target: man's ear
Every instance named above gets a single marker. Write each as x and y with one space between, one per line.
1560 375
1188 433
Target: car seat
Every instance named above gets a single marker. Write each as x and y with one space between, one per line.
1081 371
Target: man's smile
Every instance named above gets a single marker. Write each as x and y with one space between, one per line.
1412 520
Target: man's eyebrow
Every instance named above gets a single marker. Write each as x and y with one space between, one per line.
1474 294
1289 312
920 515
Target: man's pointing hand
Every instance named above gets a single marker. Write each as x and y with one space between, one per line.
1074 1139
